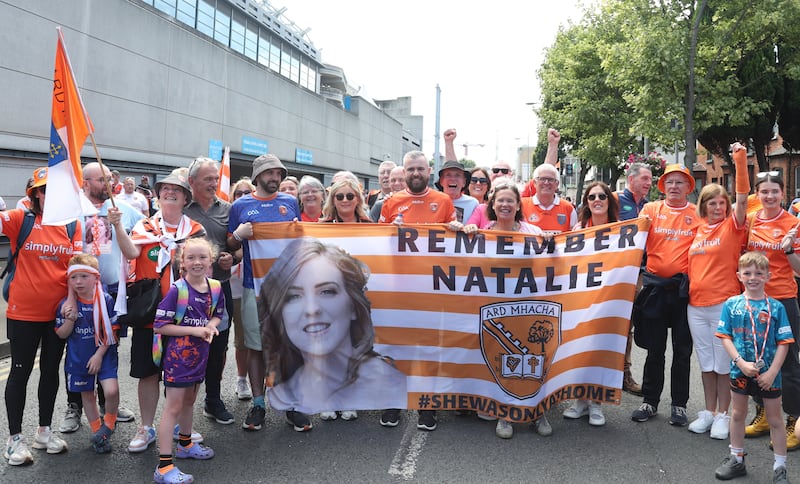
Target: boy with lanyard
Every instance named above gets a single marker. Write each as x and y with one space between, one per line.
89 327
756 334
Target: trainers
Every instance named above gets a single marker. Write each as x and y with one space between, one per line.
174 476
487 417
17 453
578 409
299 421
542 427
255 418
644 413
328 416
629 384
125 415
721 425
730 468
101 440
390 417
216 410
176 435
596 417
759 425
142 440
72 419
426 420
779 476
678 416
504 429
194 451
703 423
47 439
243 391
349 415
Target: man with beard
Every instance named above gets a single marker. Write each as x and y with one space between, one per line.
108 255
420 205
212 213
384 171
266 204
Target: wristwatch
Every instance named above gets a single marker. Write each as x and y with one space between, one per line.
738 357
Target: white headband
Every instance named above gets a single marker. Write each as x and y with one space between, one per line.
82 268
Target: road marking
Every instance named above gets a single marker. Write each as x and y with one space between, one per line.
404 464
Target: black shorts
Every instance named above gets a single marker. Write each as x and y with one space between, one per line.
744 385
142 364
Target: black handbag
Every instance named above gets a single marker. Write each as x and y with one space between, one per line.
143 297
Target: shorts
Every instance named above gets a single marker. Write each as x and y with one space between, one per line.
250 322
711 356
181 384
238 328
142 365
744 385
84 382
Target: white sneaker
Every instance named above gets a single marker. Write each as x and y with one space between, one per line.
328 415
721 425
142 440
486 417
596 416
578 409
349 415
47 439
243 390
72 419
542 427
504 429
17 452
702 423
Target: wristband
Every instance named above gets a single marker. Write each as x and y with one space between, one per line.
788 251
236 236
738 357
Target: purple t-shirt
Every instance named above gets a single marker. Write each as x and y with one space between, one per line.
185 357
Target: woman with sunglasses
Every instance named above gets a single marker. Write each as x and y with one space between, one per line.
478 187
599 206
310 197
773 231
345 203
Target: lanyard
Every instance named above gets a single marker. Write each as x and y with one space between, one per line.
753 328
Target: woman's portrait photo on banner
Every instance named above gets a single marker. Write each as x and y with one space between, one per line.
316 327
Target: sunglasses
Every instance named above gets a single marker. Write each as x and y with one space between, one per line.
504 171
594 196
341 196
239 193
765 174
475 179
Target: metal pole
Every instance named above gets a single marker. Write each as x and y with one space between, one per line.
436 136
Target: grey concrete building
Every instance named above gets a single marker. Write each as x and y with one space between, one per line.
167 80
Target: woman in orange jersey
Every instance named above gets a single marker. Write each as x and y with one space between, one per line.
713 262
661 303
773 231
152 244
599 206
39 283
317 331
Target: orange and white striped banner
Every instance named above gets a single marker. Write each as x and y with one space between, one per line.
504 323
224 184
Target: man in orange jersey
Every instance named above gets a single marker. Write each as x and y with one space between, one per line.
545 209
416 204
662 301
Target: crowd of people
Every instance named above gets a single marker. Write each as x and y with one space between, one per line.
694 288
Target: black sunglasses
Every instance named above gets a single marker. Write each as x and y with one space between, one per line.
239 193
341 196
475 179
504 171
592 196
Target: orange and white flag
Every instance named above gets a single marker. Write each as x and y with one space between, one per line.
504 323
224 185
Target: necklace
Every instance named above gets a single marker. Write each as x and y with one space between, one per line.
759 357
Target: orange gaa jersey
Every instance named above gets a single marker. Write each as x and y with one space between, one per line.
765 236
672 231
425 208
713 262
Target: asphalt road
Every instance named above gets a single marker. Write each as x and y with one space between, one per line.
462 449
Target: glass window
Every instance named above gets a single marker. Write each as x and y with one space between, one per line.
187 12
304 75
166 6
237 36
149 2
222 27
294 73
263 51
275 56
251 43
286 63
205 17
312 79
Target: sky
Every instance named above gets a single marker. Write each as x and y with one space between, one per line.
483 55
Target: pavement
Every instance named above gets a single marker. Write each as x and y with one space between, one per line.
5 350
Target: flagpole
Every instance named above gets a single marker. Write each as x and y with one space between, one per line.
88 123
